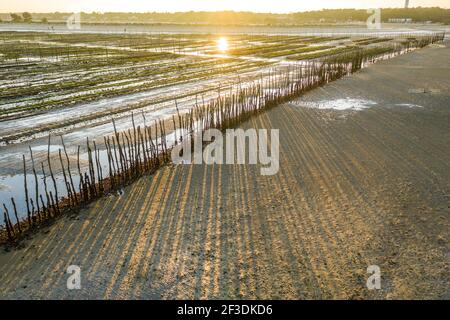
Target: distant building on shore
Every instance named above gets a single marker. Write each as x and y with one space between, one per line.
401 20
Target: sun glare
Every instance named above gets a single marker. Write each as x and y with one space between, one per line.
222 44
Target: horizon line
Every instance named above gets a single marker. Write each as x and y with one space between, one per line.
219 11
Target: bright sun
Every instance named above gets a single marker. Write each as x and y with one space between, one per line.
222 44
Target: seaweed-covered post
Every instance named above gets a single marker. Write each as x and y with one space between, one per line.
32 209
111 158
69 192
74 192
88 186
118 144
35 182
99 168
146 148
138 154
143 136
163 133
111 180
44 208
51 174
8 229
15 214
180 121
45 184
91 168
152 148
55 209
82 186
156 141
129 163
116 163
26 191
9 226
135 143
175 129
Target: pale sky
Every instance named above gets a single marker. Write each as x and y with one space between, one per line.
276 6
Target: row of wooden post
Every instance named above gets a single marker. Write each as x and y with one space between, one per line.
143 149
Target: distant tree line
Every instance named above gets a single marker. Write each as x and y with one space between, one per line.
25 17
433 14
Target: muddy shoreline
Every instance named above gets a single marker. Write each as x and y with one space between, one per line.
355 188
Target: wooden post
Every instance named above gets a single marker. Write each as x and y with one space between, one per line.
74 192
118 145
8 228
69 192
36 182
45 185
9 225
51 174
15 214
26 191
82 186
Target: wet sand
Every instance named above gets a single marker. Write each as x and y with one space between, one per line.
355 188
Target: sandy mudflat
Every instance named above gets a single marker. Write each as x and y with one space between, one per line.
355 188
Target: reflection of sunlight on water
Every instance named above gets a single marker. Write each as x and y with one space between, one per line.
222 44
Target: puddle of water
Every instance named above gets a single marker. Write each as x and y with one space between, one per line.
13 185
348 104
338 104
408 105
53 148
